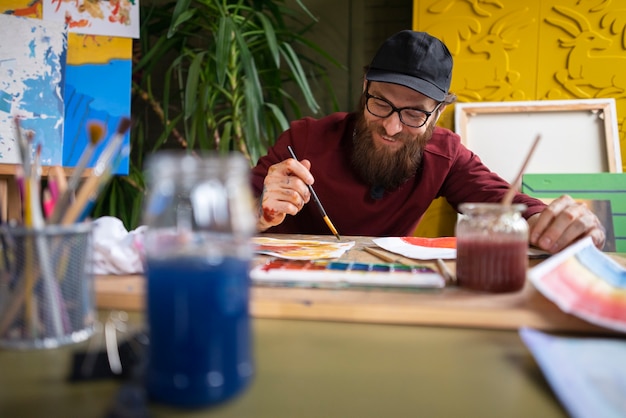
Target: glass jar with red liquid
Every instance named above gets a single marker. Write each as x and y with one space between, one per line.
492 247
200 218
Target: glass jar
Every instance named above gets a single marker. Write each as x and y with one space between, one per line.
200 218
492 247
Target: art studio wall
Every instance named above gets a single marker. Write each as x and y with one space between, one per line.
509 50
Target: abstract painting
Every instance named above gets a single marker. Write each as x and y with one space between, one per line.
32 72
97 84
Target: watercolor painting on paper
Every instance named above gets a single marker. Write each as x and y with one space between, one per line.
106 18
420 248
293 249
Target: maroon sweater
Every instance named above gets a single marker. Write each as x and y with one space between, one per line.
448 169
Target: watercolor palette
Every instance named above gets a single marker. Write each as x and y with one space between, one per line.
325 273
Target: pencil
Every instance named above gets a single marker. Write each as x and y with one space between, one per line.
445 271
382 255
317 200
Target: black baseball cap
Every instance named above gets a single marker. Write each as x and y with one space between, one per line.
415 60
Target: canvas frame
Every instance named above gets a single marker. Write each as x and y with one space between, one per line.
577 136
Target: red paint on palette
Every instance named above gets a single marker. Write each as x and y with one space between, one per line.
272 265
281 264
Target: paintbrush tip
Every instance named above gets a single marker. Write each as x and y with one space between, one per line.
124 125
96 132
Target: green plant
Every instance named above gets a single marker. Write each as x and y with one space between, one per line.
215 75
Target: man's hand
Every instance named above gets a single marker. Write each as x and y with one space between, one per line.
285 191
562 223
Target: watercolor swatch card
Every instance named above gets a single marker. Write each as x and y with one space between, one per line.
295 249
585 282
327 273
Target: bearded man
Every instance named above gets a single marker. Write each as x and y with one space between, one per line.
378 169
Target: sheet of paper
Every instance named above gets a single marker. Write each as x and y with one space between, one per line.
588 375
585 282
107 18
293 249
420 248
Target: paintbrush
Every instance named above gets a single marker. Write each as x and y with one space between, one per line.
317 200
35 220
23 147
113 147
96 133
57 175
102 172
508 197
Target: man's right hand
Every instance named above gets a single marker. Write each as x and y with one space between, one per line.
285 191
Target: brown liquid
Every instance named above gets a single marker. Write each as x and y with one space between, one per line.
493 266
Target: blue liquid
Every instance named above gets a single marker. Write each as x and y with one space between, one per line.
200 343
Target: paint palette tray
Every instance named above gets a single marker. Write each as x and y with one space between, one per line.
325 273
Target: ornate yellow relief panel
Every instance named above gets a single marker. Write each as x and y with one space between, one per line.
532 50
493 44
508 50
584 54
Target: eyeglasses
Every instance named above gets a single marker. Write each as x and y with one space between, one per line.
410 116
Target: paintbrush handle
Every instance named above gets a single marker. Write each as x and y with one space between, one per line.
510 193
100 168
317 201
313 194
85 194
72 183
66 191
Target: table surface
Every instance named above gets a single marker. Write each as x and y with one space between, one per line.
323 369
349 364
452 306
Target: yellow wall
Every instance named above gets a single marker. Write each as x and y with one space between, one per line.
507 50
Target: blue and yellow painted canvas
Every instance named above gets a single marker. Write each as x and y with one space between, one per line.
97 85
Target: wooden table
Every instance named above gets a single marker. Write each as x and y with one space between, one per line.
451 353
452 306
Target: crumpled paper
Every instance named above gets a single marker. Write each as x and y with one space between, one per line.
116 250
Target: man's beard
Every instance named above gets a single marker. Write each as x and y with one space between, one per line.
382 166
